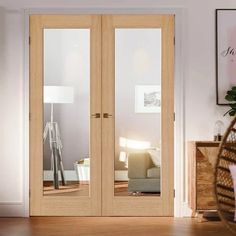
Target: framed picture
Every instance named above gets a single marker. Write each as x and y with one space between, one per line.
225 53
147 99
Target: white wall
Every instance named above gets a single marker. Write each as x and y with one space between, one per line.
11 115
199 63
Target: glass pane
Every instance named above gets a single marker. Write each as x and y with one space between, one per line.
66 161
137 112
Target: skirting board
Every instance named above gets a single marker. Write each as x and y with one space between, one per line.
185 210
12 209
70 175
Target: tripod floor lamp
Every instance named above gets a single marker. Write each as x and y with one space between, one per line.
53 95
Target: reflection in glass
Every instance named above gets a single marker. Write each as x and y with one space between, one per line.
66 161
137 112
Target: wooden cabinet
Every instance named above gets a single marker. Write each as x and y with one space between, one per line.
202 156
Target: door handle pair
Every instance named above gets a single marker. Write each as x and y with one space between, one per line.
98 115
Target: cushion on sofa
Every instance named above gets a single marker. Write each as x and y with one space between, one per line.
155 156
138 163
154 173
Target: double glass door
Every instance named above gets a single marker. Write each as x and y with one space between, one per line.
101 115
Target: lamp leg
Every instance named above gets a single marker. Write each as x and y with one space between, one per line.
52 130
55 168
59 147
62 169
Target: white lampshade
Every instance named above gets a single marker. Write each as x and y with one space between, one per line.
58 94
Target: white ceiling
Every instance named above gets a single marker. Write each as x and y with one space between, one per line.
95 4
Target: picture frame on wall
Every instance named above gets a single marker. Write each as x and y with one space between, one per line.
147 99
225 53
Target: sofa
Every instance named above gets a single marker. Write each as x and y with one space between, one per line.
143 175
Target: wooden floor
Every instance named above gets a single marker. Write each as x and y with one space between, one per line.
109 226
121 189
74 188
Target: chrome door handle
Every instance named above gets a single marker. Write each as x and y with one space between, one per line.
106 115
96 115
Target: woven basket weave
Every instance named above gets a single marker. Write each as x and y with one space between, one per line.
224 190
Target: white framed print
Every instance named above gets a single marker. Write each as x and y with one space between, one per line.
225 53
147 99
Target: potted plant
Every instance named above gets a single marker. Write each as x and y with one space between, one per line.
231 97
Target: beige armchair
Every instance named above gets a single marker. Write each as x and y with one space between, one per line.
143 175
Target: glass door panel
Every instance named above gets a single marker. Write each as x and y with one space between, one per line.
137 112
66 162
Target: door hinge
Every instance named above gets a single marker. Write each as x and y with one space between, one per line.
29 40
174 193
29 116
29 193
174 116
174 40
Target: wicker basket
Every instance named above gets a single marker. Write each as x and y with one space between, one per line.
224 190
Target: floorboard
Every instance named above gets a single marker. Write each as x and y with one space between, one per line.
109 226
